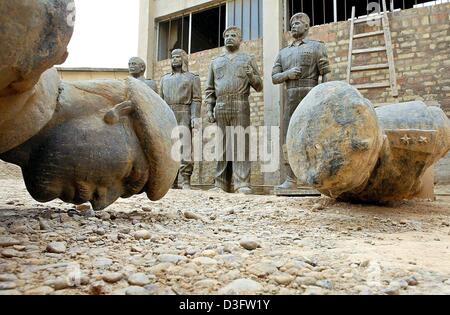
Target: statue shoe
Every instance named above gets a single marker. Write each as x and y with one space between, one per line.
186 185
245 191
216 190
289 184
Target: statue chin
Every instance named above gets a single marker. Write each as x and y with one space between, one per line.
83 160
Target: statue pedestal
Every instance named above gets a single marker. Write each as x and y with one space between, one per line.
300 192
427 191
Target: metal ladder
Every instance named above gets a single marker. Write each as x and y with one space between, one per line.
392 83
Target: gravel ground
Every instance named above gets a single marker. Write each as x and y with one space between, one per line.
195 242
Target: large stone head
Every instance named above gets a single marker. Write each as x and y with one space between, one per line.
334 139
300 24
81 156
233 38
180 60
136 67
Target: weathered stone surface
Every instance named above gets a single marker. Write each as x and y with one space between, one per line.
241 287
131 144
56 248
341 146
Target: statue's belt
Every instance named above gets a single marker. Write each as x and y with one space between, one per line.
232 98
301 83
180 107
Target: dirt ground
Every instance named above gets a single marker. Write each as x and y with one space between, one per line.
195 242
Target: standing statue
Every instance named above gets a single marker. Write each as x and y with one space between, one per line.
182 91
228 88
299 66
85 141
136 68
340 145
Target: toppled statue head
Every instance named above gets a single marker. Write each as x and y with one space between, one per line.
76 141
339 144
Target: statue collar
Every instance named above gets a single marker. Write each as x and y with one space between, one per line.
297 43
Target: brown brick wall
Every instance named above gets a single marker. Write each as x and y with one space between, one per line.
199 64
421 42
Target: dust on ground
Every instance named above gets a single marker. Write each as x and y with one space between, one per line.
196 242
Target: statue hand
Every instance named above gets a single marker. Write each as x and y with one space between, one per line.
294 73
195 123
211 117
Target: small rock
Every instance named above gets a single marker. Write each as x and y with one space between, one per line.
191 251
135 290
191 216
262 269
393 289
306 281
10 293
142 235
136 249
112 277
7 278
56 248
206 284
283 278
6 241
100 231
61 284
97 288
83 208
174 259
249 244
7 286
102 262
45 290
325 284
205 261
44 225
105 216
138 279
241 287
209 253
11 253
412 281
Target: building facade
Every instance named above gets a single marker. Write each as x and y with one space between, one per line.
420 37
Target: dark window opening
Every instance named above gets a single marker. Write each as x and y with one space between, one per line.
319 11
322 11
173 34
207 29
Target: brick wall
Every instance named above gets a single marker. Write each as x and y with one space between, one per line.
199 64
421 43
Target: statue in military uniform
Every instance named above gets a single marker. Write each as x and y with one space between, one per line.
231 75
181 90
136 68
299 66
